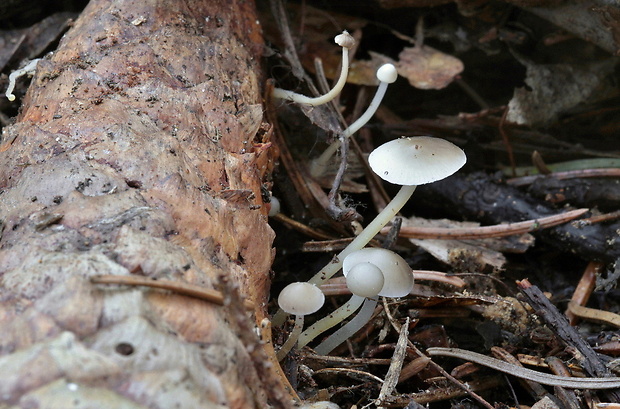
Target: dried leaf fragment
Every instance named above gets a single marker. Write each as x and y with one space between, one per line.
428 68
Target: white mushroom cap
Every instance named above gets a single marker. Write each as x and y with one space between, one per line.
301 298
345 40
396 272
416 160
387 73
365 280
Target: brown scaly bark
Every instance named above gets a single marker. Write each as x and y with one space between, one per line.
140 150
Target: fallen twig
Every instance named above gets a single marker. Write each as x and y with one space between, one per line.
499 230
569 174
592 314
206 294
584 288
558 323
524 373
393 374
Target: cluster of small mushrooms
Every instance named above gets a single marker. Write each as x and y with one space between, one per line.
369 272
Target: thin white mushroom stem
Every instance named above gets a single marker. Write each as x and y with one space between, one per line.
345 40
330 321
349 329
373 228
292 338
319 165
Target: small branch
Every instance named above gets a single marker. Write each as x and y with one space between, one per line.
524 373
584 288
335 211
558 323
569 174
393 374
498 230
592 314
191 290
302 228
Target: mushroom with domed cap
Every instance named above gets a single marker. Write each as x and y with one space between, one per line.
299 299
369 272
409 162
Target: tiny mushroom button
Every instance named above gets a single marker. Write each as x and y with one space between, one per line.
365 279
301 298
386 74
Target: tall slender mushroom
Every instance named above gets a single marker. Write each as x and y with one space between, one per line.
346 41
409 162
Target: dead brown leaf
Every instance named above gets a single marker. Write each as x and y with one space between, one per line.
428 68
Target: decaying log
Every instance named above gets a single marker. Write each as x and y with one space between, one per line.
603 193
140 149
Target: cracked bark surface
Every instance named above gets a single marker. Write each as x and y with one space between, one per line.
140 149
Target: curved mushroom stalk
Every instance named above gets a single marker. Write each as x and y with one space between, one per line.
387 75
349 329
346 41
292 338
369 232
330 321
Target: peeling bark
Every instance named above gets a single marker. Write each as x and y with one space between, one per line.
140 149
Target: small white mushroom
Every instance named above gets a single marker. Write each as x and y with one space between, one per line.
408 162
346 41
386 74
397 282
397 275
299 299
